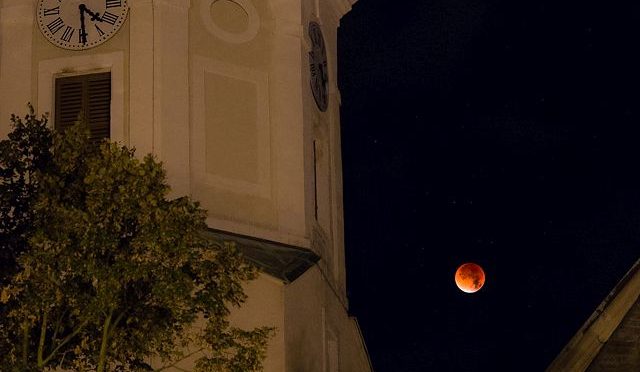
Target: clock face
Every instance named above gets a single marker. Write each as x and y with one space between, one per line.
80 24
318 66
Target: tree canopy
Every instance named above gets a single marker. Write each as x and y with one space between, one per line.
103 272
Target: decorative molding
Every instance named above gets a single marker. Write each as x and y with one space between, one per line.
49 69
247 35
200 67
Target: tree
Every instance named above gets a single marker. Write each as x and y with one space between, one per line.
25 153
110 273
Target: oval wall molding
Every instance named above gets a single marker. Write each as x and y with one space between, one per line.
253 22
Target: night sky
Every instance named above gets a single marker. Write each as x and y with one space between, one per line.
501 132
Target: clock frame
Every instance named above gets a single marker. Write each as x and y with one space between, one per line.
80 24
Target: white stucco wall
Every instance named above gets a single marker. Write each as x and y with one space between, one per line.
314 322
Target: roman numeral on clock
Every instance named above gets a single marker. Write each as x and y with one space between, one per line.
114 3
109 18
100 32
52 11
67 34
55 25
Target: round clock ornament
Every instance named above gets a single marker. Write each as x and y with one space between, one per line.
318 66
80 24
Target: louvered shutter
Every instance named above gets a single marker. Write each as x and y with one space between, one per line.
99 105
69 101
90 94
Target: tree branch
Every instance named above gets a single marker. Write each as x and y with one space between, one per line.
64 341
57 327
104 344
25 343
178 361
116 321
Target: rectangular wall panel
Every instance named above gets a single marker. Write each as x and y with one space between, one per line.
231 128
231 136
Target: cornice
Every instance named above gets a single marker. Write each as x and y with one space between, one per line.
282 261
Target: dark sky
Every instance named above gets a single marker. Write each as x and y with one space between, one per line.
501 132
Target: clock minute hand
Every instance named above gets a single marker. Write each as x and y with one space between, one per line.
83 31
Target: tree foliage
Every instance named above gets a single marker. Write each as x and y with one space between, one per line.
25 153
108 273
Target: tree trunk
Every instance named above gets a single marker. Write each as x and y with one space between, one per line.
43 334
25 344
105 341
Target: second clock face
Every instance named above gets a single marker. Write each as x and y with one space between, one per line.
80 24
318 66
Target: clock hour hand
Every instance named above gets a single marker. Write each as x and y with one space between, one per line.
94 16
83 31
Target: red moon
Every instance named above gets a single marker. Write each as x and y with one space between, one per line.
470 277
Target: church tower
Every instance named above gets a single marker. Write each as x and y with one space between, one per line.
239 100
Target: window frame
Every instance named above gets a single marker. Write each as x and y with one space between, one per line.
51 69
85 80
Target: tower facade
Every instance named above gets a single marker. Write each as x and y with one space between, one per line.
239 100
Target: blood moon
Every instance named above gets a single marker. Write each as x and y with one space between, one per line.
469 277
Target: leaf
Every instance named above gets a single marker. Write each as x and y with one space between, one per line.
4 295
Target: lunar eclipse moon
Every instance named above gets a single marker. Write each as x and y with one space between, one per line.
469 277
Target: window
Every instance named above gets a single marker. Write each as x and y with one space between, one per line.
89 94
322 185
315 179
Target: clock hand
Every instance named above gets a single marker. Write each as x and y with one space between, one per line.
94 16
83 31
